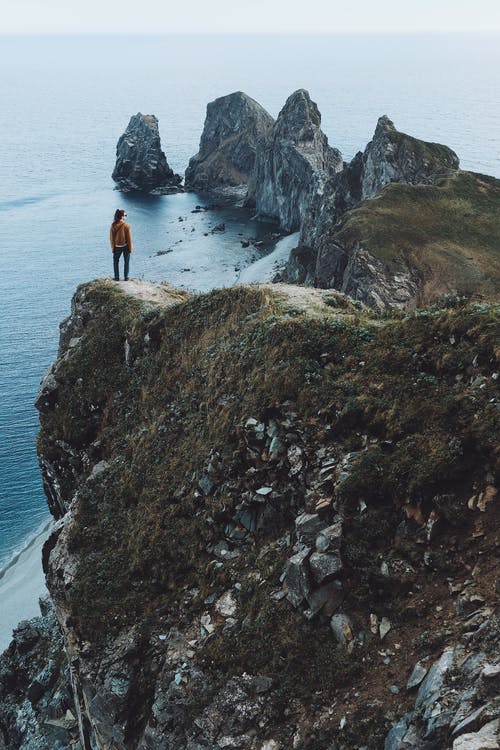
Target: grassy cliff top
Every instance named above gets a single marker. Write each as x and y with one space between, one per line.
450 233
174 400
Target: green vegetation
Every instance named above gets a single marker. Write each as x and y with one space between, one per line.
450 233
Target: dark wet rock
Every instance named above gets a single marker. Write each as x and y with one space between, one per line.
233 126
292 164
37 710
325 599
307 527
298 579
141 165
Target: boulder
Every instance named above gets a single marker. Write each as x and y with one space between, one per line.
292 164
487 738
233 126
324 566
298 581
141 164
307 526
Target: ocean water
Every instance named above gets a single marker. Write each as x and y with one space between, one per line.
66 100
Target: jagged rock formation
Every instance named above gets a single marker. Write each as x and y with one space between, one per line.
393 229
396 157
233 126
458 696
262 567
390 157
141 164
37 710
292 163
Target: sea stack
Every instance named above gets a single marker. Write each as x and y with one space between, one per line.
292 163
141 165
233 126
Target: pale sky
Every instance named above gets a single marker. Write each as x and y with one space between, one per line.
273 16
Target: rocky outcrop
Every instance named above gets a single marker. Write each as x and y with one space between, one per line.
233 127
293 162
234 570
396 157
141 165
391 156
37 709
457 702
385 230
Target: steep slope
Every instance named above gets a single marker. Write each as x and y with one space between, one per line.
201 451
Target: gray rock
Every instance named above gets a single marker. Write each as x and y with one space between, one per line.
485 739
394 740
341 625
325 258
276 449
325 566
141 164
326 599
292 163
330 539
396 157
417 675
433 683
233 126
298 580
206 485
307 526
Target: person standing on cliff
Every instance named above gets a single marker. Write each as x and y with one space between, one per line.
120 237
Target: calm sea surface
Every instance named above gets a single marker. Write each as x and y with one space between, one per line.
64 103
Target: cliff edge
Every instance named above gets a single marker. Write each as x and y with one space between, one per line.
278 520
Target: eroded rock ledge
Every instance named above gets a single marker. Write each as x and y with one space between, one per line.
260 560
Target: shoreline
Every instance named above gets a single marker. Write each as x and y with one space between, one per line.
22 583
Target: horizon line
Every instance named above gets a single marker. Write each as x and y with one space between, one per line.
338 32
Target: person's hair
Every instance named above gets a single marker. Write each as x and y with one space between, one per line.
119 214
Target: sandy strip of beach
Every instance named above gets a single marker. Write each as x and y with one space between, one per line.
266 268
21 585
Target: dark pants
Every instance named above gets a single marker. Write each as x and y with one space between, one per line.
126 260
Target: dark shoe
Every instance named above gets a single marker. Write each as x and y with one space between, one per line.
126 279
116 279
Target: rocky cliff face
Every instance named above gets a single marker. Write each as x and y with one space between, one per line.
141 164
388 229
260 561
37 708
396 157
292 164
233 127
390 157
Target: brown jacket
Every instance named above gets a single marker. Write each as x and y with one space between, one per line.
120 234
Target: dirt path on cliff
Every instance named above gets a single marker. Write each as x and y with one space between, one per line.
161 294
307 300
